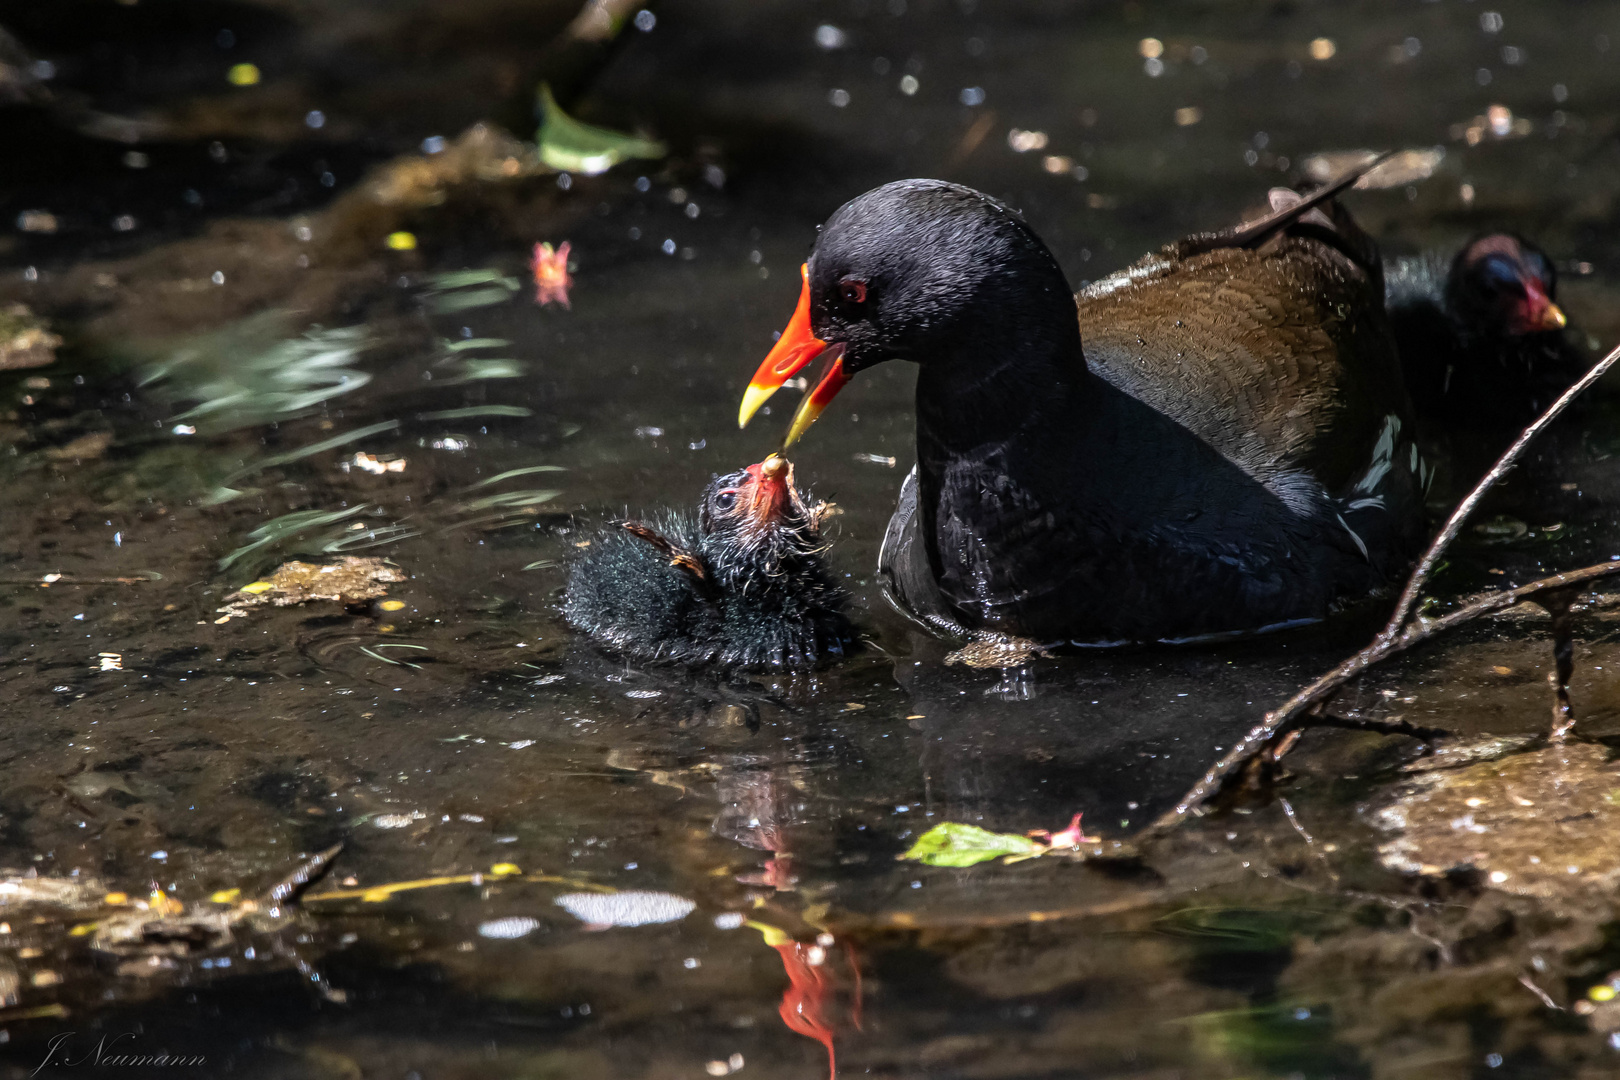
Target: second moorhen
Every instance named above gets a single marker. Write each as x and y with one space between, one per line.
1480 332
1228 452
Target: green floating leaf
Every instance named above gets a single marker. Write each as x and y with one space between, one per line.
952 843
570 146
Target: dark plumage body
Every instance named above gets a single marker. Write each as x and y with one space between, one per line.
1229 451
739 584
1479 333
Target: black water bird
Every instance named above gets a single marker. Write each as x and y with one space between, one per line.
1480 332
1228 452
741 584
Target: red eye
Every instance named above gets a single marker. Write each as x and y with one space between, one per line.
852 290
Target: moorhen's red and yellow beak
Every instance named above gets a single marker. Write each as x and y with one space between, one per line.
1538 313
792 352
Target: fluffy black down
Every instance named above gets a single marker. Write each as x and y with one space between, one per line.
770 604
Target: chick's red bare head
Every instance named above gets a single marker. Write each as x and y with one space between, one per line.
755 518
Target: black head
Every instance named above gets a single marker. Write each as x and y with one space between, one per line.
921 270
754 523
1502 286
931 272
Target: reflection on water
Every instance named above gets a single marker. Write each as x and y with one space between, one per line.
557 864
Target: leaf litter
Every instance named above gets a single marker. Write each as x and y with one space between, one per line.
349 579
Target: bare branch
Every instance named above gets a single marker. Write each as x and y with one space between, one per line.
1504 464
1290 713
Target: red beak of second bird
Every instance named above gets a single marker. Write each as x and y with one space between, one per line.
1538 314
792 353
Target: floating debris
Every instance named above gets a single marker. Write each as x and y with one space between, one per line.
161 929
1406 167
397 821
25 342
377 466
1545 823
376 894
85 448
599 911
18 889
551 279
349 579
513 926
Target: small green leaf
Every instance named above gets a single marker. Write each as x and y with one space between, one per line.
954 844
570 146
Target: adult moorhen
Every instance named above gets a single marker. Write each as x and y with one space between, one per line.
1229 452
1479 332
741 584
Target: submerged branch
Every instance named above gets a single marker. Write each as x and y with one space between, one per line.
1292 713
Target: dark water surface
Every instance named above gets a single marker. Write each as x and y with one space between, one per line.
151 744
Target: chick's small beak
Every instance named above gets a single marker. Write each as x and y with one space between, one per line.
793 350
769 484
1540 313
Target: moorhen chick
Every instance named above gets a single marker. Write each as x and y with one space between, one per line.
741 584
1229 452
1479 332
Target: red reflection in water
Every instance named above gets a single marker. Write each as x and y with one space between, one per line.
811 998
551 278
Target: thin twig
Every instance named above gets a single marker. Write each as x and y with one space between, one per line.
1454 524
288 889
1290 712
1400 633
1382 727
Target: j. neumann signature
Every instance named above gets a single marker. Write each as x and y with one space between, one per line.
110 1052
